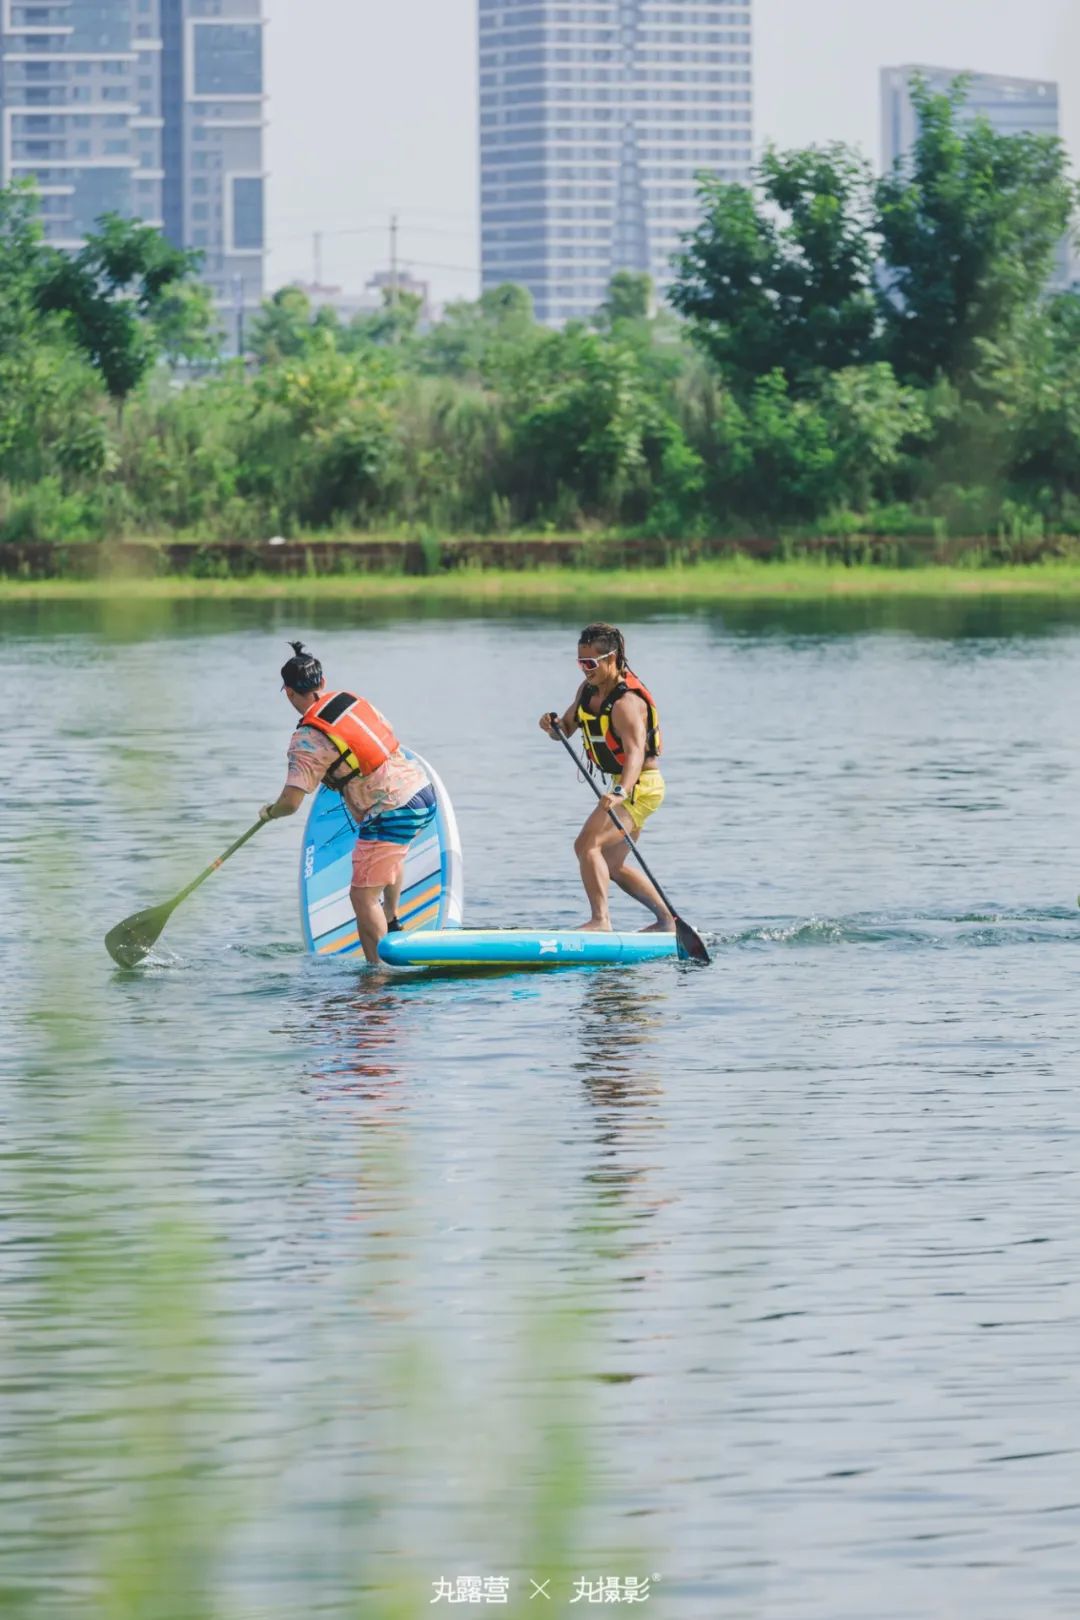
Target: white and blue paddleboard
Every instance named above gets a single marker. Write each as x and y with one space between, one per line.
432 892
517 947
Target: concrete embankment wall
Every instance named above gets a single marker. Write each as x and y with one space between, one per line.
328 557
435 555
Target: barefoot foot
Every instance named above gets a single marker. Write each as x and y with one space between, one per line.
594 927
664 927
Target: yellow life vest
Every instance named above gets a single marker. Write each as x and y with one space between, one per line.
603 744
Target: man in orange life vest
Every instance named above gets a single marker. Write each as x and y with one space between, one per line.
344 742
621 731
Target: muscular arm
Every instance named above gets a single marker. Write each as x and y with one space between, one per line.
630 717
568 722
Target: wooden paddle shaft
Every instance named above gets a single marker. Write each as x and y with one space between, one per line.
212 868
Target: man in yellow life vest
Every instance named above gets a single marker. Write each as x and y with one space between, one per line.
620 727
344 742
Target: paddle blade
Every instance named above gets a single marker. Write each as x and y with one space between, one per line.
130 940
690 945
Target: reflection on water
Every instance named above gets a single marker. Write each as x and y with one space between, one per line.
322 1286
134 620
354 1033
620 1030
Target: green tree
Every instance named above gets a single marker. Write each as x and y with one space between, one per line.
874 425
393 326
630 298
111 293
588 439
969 225
771 458
21 256
50 422
471 334
283 328
1040 395
782 280
508 309
179 456
185 324
318 444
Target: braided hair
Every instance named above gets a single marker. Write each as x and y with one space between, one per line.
606 639
303 673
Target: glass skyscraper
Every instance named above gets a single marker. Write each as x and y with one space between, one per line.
595 121
148 108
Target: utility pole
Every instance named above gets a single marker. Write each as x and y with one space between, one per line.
238 309
395 330
317 244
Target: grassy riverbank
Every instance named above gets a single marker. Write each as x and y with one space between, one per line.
738 579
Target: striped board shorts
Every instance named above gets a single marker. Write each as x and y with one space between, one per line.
402 825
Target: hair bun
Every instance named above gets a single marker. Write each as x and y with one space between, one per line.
303 672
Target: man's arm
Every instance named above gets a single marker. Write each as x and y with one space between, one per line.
310 756
287 803
568 722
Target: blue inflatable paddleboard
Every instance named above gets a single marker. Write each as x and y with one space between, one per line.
432 892
515 947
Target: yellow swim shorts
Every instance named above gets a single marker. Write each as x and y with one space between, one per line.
648 796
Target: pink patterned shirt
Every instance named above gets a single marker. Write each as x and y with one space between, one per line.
392 785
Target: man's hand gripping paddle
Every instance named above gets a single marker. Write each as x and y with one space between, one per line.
690 944
130 940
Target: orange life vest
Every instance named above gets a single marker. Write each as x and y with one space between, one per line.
362 736
603 744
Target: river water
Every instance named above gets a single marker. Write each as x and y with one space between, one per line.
757 1283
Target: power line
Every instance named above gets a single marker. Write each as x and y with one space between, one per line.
358 230
369 230
319 237
471 224
428 264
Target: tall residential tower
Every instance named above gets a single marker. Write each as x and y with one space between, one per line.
213 113
596 119
149 108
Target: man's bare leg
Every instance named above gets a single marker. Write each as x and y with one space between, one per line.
370 920
591 847
391 900
634 883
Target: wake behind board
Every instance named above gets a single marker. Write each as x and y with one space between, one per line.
515 947
432 892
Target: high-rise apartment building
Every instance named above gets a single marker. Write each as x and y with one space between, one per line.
80 110
596 118
213 117
147 108
1012 106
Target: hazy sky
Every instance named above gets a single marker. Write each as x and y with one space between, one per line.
373 108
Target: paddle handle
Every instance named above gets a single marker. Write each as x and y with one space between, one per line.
212 868
638 856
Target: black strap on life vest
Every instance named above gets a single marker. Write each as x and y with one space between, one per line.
332 710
